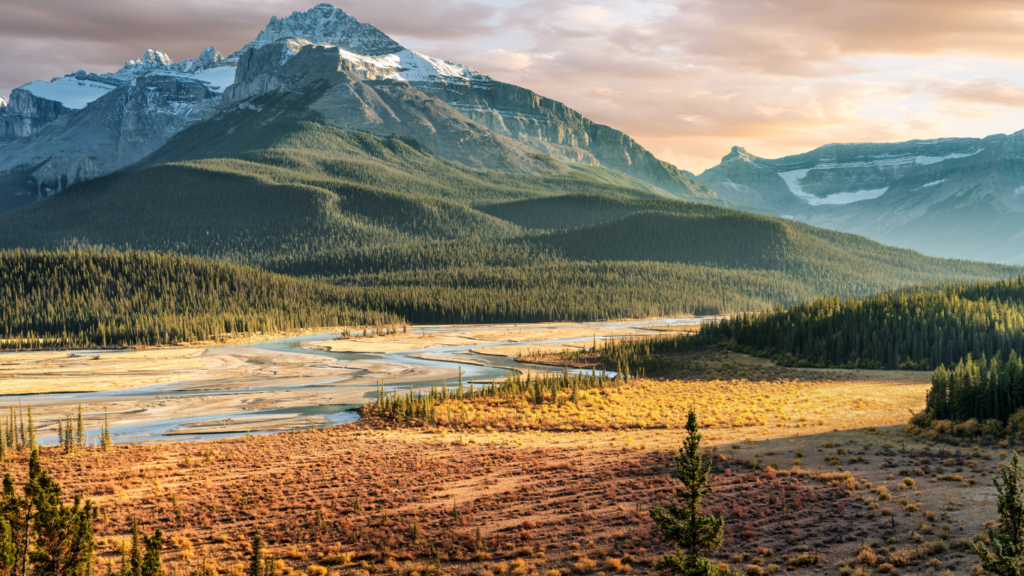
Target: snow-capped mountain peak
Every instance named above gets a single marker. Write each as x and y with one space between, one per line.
325 24
151 59
402 66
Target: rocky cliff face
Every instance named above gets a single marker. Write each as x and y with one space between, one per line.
25 114
82 125
117 130
353 95
952 197
560 132
519 114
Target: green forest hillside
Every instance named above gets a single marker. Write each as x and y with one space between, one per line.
407 234
86 299
919 327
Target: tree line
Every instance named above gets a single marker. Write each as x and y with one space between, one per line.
921 327
92 298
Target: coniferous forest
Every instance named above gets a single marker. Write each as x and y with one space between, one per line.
383 231
87 299
913 328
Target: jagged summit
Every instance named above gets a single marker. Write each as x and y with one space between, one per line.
738 153
325 24
158 60
151 58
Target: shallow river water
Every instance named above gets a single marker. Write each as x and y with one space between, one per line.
494 367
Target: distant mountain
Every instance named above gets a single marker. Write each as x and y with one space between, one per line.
422 188
81 126
951 197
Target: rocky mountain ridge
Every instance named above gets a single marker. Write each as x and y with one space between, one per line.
935 196
470 109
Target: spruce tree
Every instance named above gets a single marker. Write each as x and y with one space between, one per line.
22 440
1007 555
692 533
135 557
80 429
12 437
39 532
106 441
256 564
151 565
31 431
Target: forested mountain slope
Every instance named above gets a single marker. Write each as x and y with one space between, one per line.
431 240
88 299
919 327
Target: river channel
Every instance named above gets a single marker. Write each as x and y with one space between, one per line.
273 399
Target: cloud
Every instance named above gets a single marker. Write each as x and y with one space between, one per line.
991 91
687 78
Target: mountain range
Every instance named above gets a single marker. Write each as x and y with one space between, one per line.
426 190
84 125
951 197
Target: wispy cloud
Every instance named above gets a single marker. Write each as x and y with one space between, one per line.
687 78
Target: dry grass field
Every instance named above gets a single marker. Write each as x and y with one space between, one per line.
813 474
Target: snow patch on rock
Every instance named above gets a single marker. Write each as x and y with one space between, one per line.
71 92
925 160
792 180
78 90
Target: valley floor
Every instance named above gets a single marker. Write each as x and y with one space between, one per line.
812 472
207 388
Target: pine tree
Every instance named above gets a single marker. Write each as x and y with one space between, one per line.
31 431
106 441
39 532
151 565
22 440
693 534
60 435
1007 555
135 557
12 435
80 429
256 564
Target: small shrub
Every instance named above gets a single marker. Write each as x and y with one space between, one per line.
867 557
803 560
584 566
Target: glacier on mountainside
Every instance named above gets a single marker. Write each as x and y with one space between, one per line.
78 90
72 93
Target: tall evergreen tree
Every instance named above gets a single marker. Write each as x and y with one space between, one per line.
39 532
106 440
1007 555
31 431
135 558
80 428
692 533
256 564
151 565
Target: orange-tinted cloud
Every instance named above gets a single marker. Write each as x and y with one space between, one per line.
686 78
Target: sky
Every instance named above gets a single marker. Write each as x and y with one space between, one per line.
688 79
